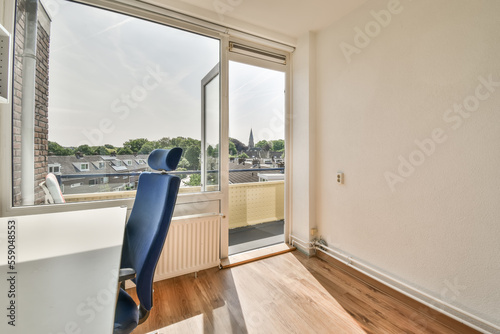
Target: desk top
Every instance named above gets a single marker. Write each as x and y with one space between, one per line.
64 276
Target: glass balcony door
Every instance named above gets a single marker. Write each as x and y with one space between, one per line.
257 149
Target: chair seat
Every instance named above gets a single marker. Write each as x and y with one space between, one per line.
126 315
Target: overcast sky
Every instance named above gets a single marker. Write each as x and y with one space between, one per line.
114 78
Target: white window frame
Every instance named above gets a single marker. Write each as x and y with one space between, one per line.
52 168
84 169
188 23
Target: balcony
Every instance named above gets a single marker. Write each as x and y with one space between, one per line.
256 210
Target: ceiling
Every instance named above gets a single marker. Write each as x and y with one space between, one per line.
290 18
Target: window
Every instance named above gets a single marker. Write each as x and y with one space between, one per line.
55 169
122 100
99 164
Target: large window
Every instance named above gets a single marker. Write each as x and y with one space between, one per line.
96 91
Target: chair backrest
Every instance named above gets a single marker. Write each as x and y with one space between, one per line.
52 190
149 221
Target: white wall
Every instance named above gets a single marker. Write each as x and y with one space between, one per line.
439 230
303 137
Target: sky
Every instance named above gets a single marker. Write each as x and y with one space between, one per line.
113 78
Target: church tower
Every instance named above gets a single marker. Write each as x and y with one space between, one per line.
250 140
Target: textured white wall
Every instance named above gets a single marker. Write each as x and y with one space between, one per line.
439 230
303 137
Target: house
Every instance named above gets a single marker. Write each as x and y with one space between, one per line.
81 174
400 96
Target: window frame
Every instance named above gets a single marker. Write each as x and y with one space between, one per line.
132 8
53 167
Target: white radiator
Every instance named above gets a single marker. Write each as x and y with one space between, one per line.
192 244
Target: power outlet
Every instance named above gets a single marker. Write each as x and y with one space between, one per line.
340 177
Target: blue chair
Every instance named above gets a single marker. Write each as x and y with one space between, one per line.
145 234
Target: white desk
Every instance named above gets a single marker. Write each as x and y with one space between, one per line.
66 272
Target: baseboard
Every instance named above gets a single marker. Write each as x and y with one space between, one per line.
433 314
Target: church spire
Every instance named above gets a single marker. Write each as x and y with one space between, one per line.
250 140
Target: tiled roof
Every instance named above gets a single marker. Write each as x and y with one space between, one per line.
246 177
71 164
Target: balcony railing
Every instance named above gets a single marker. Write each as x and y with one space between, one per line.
249 203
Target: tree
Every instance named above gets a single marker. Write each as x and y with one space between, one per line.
109 146
239 145
193 156
164 142
85 149
243 156
264 144
147 148
278 145
194 180
124 151
183 163
135 144
56 149
100 150
210 151
232 148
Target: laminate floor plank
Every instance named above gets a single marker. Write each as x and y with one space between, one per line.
287 293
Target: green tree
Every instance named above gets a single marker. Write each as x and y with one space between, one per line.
109 146
85 149
232 148
278 145
147 148
100 150
210 151
193 156
239 145
264 144
194 180
243 156
124 150
135 144
183 163
56 149
164 142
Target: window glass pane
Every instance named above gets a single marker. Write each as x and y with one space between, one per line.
103 89
256 123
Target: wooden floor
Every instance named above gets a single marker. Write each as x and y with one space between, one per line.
288 293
